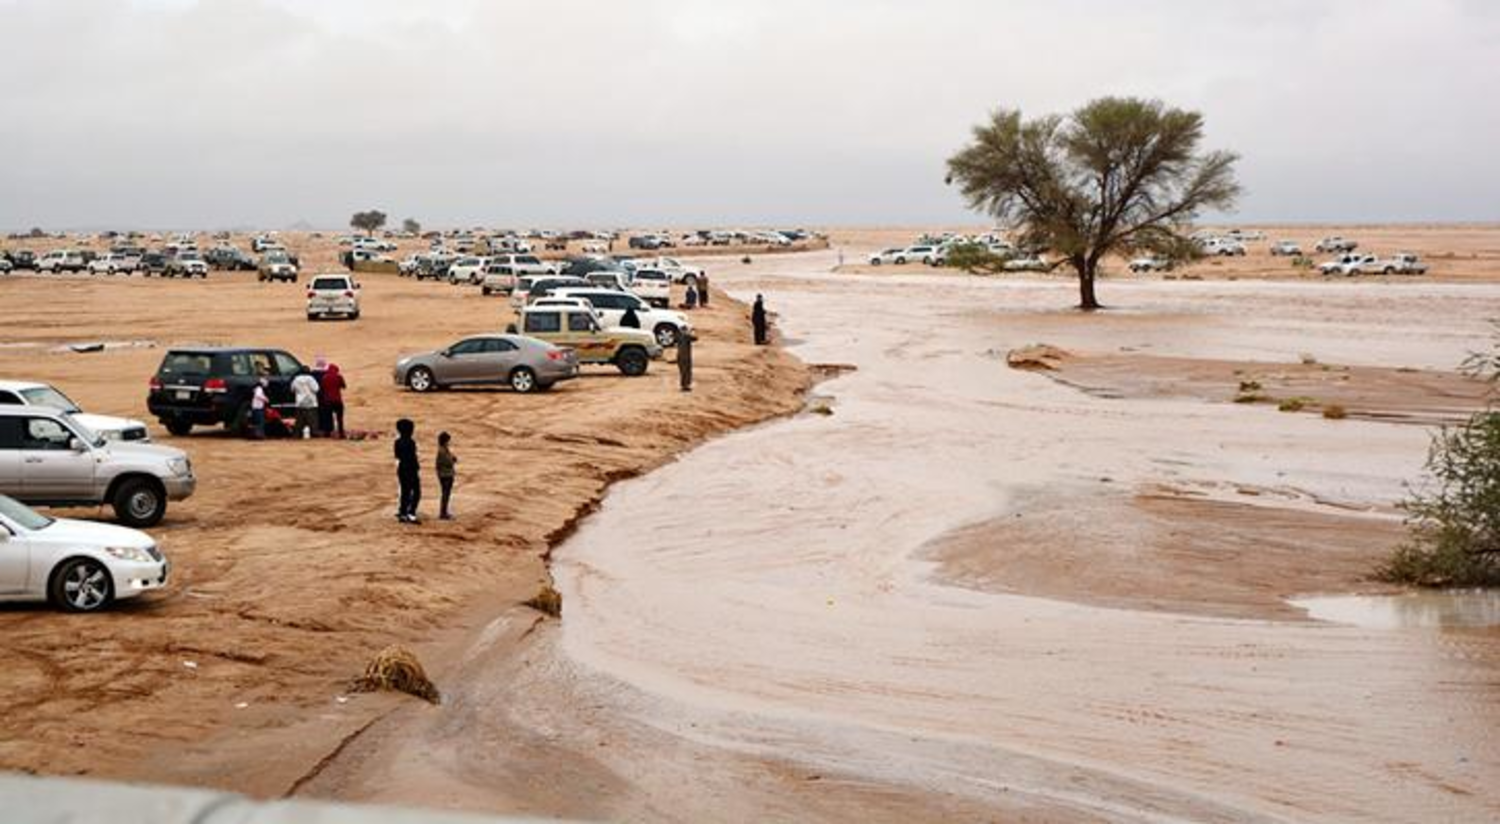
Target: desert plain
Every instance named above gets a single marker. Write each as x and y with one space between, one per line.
881 569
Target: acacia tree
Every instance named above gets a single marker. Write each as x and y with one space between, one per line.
411 226
1118 174
370 222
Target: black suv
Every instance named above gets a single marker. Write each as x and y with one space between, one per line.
153 263
209 386
231 259
22 258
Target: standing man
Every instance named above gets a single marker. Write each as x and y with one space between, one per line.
408 472
305 393
758 320
447 471
703 290
685 359
332 405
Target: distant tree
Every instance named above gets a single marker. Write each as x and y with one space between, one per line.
411 226
1118 174
36 231
370 222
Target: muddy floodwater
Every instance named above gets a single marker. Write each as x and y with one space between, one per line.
823 618
1412 610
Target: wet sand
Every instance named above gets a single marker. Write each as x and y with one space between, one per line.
826 652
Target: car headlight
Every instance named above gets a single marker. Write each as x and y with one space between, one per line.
180 466
129 553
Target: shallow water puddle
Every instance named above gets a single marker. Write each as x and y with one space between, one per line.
1413 610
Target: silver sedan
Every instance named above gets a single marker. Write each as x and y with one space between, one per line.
525 363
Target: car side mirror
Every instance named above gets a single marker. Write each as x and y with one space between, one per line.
75 444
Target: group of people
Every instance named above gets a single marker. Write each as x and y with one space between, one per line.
409 473
317 403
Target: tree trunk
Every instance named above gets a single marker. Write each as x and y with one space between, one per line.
1086 300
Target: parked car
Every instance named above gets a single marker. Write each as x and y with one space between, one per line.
114 263
1222 247
1343 264
468 270
647 242
31 393
665 325
679 271
330 295
187 264
22 258
1286 248
1150 263
153 263
61 260
276 264
231 258
525 264
1335 243
629 350
1400 264
524 363
1027 263
499 279
49 458
888 256
77 566
209 386
653 286
6 267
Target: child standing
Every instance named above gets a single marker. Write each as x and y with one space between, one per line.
446 472
408 473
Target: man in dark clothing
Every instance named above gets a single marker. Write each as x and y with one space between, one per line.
630 320
408 472
703 290
332 399
685 361
758 320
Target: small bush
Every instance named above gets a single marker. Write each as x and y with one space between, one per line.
1455 521
547 601
1302 262
1308 359
821 409
397 668
1250 386
1335 412
1293 404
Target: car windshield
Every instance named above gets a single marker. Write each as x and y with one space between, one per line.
329 283
23 516
50 398
276 257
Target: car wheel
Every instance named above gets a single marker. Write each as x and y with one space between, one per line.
666 335
1388 270
311 316
486 291
140 503
632 362
178 426
900 261
354 315
927 260
874 261
523 380
420 379
82 585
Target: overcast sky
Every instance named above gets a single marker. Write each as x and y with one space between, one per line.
216 113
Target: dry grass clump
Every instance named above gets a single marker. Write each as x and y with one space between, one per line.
1293 404
396 668
1037 358
547 601
1335 412
821 408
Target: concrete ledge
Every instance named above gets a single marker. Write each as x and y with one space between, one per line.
30 800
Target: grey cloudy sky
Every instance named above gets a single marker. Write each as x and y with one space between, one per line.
205 113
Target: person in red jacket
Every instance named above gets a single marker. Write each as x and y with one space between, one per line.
333 386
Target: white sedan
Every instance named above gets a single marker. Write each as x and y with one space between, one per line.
78 566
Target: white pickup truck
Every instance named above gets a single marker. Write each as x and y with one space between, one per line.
1403 263
1335 243
679 271
1345 264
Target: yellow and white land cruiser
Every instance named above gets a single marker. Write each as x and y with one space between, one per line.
579 328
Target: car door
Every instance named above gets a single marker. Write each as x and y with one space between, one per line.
500 357
464 362
279 388
611 308
51 469
15 560
10 456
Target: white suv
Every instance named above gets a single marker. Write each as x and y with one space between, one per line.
665 325
653 286
680 272
467 270
31 393
114 263
329 295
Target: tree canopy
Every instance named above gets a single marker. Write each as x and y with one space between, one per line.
1118 174
369 222
411 226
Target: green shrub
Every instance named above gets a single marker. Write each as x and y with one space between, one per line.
975 259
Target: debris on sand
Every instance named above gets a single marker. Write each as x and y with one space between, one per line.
547 601
397 668
1037 358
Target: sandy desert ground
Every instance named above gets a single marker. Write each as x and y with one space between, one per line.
971 592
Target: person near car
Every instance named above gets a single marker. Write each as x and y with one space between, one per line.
408 472
758 320
447 472
690 301
703 289
258 403
685 362
305 400
630 320
331 403
319 368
